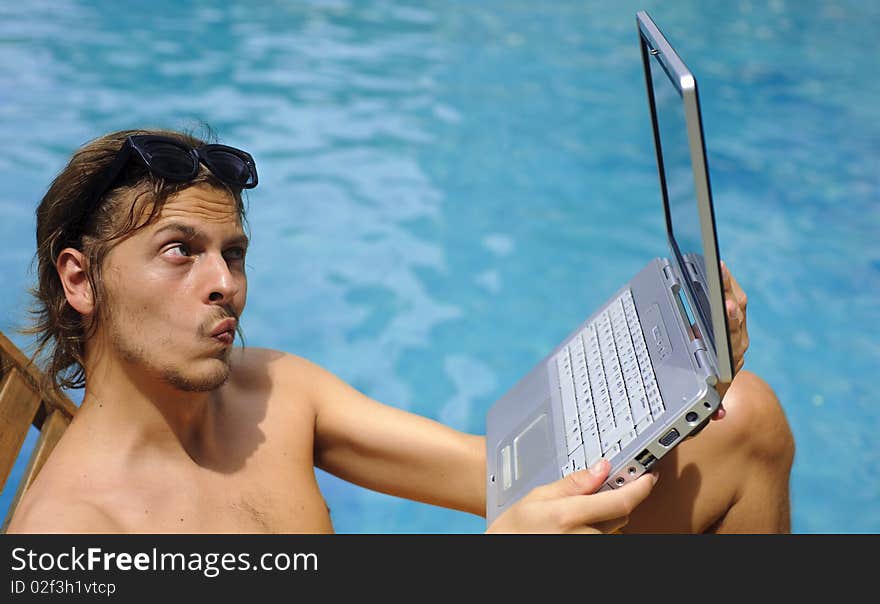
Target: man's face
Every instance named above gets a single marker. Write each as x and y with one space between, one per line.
170 286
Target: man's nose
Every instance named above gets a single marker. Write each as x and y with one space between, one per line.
222 284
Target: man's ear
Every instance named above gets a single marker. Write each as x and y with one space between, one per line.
71 266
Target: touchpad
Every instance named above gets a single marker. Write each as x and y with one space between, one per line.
527 450
533 447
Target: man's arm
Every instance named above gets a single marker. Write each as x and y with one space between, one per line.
393 451
400 453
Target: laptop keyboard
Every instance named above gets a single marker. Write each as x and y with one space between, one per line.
607 383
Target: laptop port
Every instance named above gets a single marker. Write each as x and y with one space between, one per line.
646 459
669 438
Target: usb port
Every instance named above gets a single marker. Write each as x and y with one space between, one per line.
646 459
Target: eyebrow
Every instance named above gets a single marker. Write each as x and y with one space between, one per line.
191 232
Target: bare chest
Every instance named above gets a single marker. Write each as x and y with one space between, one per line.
231 504
270 488
258 499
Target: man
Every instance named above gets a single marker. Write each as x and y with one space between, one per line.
141 254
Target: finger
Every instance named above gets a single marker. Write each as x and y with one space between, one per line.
732 289
726 278
582 482
608 505
732 299
738 294
733 311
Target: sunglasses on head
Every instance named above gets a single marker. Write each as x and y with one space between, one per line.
174 161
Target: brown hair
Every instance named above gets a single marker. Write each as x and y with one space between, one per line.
61 331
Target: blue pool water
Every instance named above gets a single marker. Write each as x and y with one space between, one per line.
447 189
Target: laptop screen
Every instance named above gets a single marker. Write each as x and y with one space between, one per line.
684 183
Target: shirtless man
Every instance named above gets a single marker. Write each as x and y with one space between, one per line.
142 281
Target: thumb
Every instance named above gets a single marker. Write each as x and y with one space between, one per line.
582 482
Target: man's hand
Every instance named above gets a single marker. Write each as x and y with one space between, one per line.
735 304
571 505
735 301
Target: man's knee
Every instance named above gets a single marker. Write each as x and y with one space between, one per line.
758 420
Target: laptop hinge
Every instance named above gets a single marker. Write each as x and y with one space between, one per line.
706 370
671 280
697 344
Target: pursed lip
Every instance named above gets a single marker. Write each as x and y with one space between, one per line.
224 326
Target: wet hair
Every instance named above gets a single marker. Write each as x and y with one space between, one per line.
133 202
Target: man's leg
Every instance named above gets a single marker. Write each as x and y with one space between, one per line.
732 477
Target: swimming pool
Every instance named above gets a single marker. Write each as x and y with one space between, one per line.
446 189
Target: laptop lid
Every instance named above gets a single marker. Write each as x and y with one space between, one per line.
684 185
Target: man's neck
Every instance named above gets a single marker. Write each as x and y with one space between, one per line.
144 412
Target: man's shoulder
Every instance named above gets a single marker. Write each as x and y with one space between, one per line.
253 361
285 375
264 356
62 514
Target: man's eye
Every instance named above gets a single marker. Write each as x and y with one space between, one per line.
235 253
178 250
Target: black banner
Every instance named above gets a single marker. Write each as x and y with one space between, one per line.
66 568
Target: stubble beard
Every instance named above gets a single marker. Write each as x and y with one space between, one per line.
137 355
203 383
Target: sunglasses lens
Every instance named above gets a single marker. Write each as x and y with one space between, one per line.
231 168
170 161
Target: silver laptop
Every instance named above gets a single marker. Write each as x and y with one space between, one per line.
638 376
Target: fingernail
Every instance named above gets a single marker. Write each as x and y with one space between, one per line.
655 476
597 467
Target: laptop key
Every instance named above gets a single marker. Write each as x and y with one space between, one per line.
612 451
592 449
642 425
569 402
577 459
640 409
627 438
574 437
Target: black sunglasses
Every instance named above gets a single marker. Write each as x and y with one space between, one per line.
173 161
